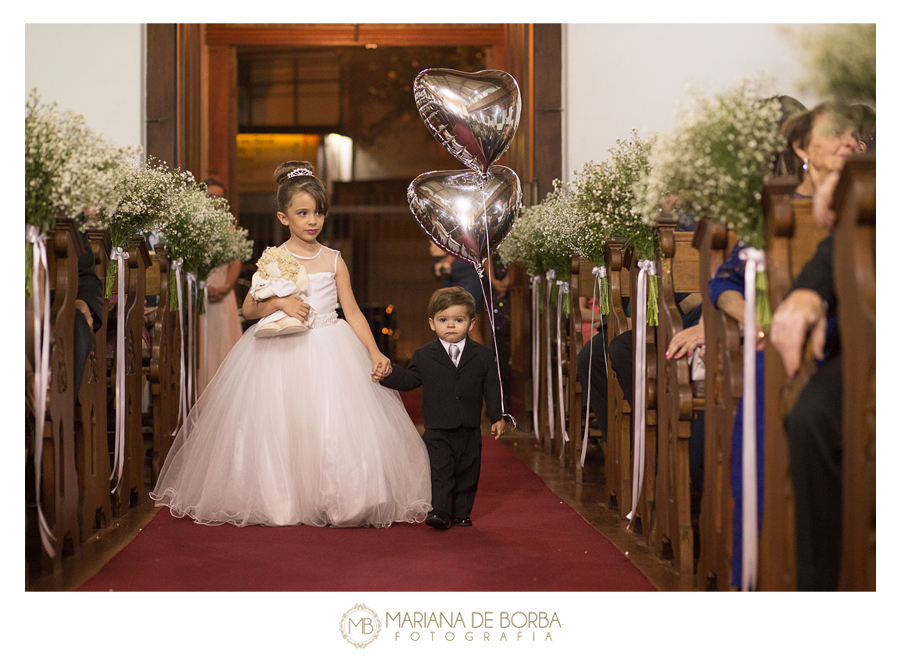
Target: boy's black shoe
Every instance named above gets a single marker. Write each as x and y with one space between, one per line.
438 520
463 523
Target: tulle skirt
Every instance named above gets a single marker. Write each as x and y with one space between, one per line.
293 430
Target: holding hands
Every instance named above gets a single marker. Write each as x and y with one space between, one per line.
381 367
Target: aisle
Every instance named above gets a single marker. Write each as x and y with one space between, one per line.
524 538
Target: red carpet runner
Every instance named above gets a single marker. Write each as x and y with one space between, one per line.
524 538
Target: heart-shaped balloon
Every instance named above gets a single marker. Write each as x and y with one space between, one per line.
474 115
464 213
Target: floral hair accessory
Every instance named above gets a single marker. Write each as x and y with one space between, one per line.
300 171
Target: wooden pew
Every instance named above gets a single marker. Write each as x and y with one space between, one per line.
95 505
130 493
724 386
165 367
618 443
791 240
676 405
854 274
581 285
59 479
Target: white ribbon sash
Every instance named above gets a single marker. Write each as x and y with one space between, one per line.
118 470
563 290
204 331
536 354
182 403
192 293
39 264
551 277
599 273
639 413
756 262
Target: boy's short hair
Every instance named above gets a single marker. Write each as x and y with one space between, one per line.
444 298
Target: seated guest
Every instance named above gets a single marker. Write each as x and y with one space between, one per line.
814 423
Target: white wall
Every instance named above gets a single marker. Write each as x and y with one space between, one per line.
91 69
620 77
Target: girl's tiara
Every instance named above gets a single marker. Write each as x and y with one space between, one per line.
301 171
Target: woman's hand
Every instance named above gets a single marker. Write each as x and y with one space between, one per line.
685 342
217 293
802 312
381 367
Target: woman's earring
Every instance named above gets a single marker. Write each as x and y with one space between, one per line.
805 164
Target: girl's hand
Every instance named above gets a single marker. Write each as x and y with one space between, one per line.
294 306
381 367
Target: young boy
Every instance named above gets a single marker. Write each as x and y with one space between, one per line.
456 375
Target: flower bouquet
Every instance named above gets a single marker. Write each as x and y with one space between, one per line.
716 161
68 168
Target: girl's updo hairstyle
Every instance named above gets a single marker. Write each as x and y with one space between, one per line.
289 185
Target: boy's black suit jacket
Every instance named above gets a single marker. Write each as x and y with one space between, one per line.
451 396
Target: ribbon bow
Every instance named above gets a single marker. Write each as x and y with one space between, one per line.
119 255
39 264
755 262
599 273
535 284
647 269
551 412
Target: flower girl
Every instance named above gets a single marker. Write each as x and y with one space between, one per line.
295 428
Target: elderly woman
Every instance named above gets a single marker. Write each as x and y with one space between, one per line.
813 425
818 142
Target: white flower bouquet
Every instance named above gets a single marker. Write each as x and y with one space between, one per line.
68 168
716 161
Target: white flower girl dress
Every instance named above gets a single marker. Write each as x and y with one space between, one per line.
293 430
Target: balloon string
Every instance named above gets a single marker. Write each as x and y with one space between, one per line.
490 303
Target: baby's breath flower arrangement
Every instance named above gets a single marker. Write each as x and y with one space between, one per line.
68 168
192 227
716 161
557 223
605 200
145 193
522 244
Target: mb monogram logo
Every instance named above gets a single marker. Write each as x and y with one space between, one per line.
360 626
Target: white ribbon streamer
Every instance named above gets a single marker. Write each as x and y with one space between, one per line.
182 403
39 264
118 469
639 413
756 262
191 293
563 290
599 273
536 354
204 330
551 413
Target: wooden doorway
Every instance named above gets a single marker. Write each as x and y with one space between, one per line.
532 53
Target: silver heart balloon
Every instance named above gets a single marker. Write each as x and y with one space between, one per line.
474 115
464 213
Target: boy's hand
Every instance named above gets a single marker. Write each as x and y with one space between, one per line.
498 428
